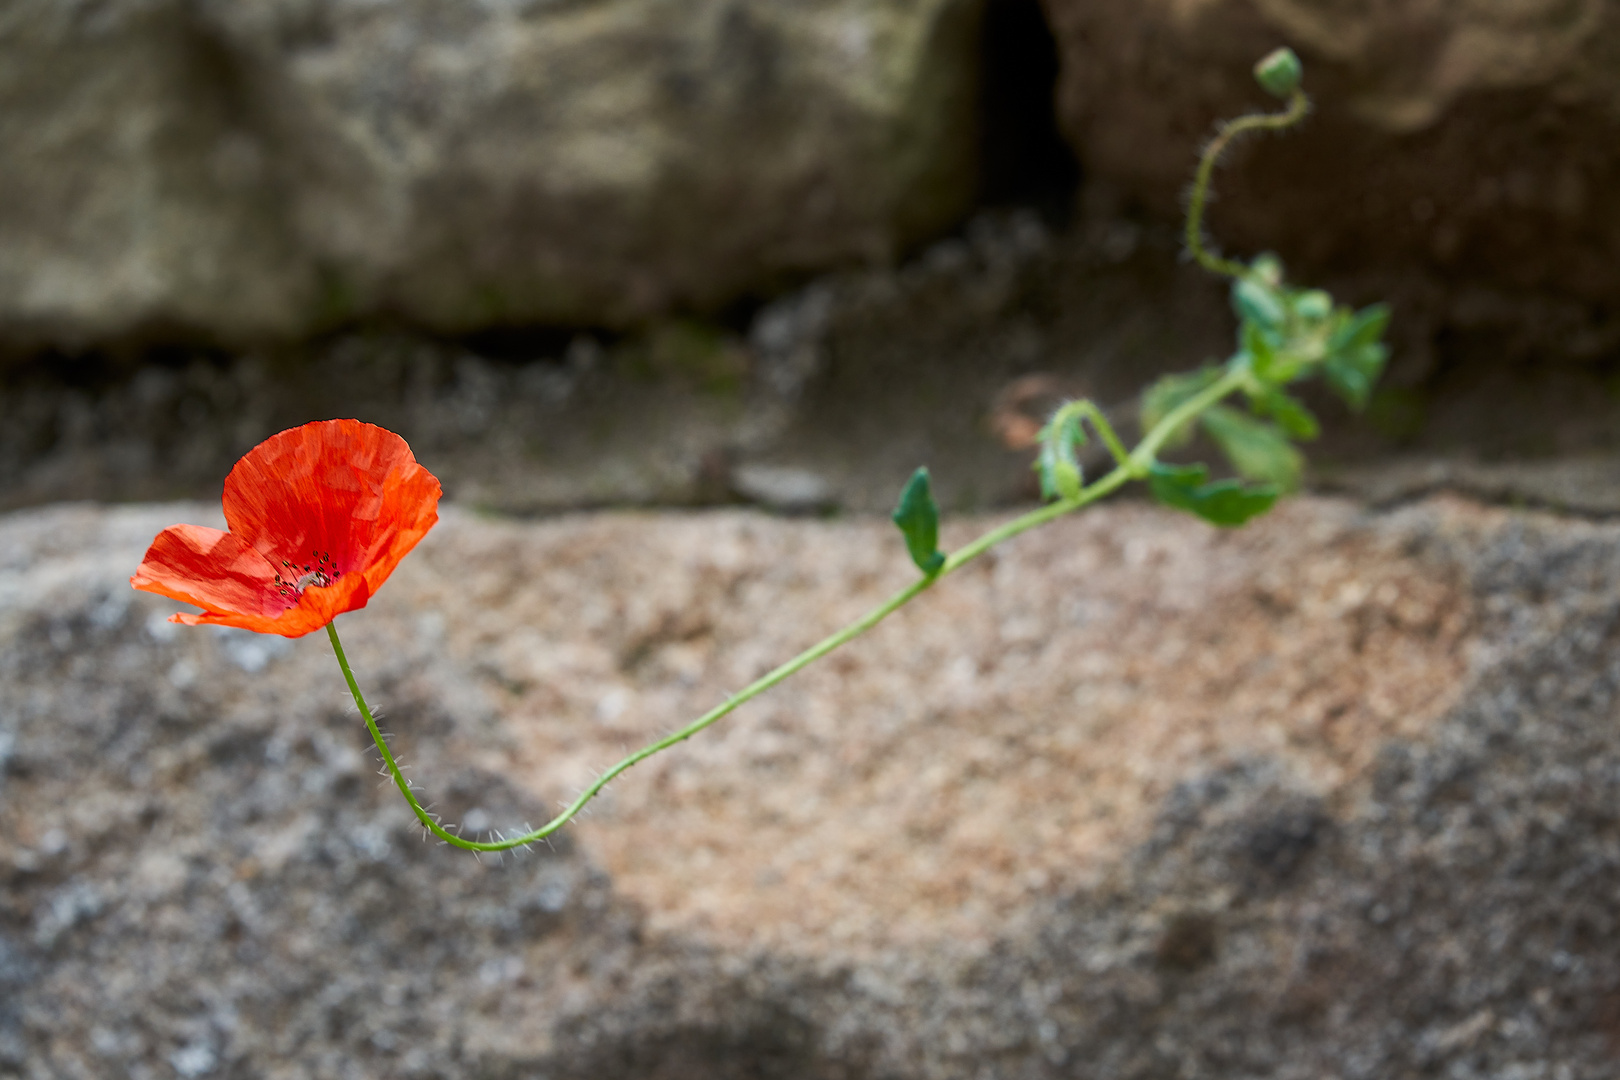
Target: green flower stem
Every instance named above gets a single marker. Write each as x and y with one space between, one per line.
1298 106
1131 467
1237 377
1087 409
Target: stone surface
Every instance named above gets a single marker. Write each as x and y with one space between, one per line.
1471 141
843 388
1332 795
266 169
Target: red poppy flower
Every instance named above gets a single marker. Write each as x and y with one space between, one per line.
319 517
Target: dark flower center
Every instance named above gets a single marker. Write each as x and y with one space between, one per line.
318 572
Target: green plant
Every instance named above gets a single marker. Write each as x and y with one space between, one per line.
1286 335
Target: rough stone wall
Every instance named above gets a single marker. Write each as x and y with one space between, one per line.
200 876
1471 140
244 170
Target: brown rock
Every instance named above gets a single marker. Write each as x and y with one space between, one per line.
1006 738
1470 138
1330 795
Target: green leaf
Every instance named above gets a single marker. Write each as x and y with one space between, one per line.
1353 372
1356 355
1255 301
1289 412
1365 327
1163 397
1257 449
1225 502
1268 363
1058 462
1313 304
918 519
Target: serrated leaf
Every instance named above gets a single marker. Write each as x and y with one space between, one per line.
1289 412
1225 503
1365 327
918 519
1162 398
1356 354
1257 449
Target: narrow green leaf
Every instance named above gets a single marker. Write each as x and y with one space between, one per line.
1225 502
1356 354
1162 398
1257 449
1289 412
1353 372
918 519
1347 381
1365 327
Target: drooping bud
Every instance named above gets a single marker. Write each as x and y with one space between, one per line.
1279 73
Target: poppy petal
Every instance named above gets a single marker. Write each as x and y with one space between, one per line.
319 517
409 507
215 570
341 489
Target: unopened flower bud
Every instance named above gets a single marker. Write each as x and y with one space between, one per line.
1279 73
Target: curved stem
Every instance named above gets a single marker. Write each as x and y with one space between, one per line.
1130 468
1298 106
1086 409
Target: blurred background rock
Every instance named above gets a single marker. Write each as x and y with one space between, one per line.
636 252
1331 796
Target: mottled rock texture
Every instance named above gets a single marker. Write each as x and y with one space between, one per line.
264 169
1331 796
1472 139
837 392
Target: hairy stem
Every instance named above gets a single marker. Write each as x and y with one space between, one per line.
1131 467
1089 410
1298 106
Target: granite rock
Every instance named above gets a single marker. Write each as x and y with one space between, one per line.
267 169
1331 795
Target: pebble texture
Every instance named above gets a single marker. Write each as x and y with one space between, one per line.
1329 796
